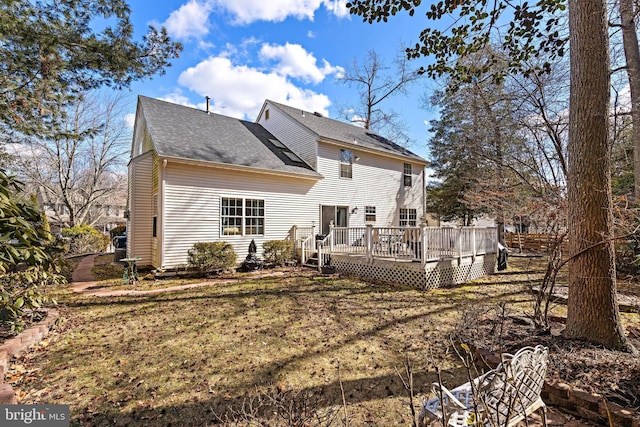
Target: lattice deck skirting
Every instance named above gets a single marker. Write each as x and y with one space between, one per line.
435 274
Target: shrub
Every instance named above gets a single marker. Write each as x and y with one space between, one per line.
278 252
85 239
212 257
25 265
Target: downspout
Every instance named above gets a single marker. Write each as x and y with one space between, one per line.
160 226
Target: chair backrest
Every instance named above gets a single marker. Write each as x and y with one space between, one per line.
516 386
528 368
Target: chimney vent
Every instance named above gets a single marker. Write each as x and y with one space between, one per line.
208 99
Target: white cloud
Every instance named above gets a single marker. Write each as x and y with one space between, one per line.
190 20
239 90
337 7
178 98
311 34
354 118
248 11
129 120
294 61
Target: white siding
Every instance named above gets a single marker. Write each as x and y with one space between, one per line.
377 181
192 196
139 227
295 136
192 207
141 139
155 210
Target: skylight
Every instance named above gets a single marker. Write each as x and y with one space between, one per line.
277 143
292 156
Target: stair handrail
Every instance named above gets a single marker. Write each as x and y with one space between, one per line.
306 243
325 244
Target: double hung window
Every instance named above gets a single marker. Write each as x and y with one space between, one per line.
408 217
370 214
346 164
242 217
406 176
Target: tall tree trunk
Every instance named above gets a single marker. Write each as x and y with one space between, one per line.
632 56
592 306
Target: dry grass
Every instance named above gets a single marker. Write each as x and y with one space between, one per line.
187 357
109 276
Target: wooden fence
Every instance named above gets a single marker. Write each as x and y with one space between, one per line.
534 242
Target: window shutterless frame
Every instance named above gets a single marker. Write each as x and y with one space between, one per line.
242 216
346 164
407 175
408 217
370 214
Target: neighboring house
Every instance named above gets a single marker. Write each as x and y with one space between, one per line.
196 176
103 216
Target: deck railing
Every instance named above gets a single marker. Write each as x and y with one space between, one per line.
413 243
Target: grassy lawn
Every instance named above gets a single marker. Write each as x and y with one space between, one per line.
237 349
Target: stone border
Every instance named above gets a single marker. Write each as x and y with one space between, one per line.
16 346
573 400
590 407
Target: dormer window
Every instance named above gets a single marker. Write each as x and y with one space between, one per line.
407 175
346 162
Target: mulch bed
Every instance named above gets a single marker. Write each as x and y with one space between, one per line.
611 374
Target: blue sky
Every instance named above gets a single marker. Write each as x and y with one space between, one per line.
241 52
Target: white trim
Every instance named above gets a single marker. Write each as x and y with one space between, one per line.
350 146
240 168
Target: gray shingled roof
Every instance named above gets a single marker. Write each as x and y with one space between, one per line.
347 133
187 133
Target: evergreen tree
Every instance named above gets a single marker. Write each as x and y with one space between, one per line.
50 53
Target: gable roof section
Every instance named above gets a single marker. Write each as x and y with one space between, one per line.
187 133
346 133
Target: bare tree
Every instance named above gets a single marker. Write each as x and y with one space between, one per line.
533 29
628 11
79 171
376 83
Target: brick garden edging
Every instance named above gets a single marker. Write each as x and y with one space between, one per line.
573 400
16 346
590 407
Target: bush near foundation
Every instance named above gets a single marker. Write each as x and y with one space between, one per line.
278 252
212 257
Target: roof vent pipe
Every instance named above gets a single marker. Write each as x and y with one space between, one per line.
208 99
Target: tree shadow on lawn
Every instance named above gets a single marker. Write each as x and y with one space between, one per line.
220 292
392 309
375 400
453 298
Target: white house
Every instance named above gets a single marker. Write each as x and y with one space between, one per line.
196 176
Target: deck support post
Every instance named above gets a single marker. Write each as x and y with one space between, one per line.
423 240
